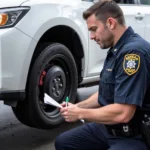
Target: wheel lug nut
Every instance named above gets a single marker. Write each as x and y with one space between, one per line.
58 93
55 80
58 79
60 85
53 89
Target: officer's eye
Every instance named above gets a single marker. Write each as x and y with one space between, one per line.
93 29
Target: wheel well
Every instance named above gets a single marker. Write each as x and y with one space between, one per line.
64 35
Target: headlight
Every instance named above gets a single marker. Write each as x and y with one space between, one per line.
11 16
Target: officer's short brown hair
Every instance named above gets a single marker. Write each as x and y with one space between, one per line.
105 9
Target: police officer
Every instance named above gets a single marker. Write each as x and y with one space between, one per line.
115 111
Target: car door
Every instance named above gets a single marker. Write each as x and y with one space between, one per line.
144 6
132 16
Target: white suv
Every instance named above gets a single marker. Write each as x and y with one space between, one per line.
45 47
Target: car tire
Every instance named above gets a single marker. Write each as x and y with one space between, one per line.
54 72
22 113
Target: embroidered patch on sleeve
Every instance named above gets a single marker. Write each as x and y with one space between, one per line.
131 63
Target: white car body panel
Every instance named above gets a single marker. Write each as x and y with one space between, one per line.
11 3
0 67
14 68
146 12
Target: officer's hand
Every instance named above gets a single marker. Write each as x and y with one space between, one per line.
70 113
64 104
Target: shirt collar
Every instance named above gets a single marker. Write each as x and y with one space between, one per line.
121 41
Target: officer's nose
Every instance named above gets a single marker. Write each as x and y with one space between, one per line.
92 36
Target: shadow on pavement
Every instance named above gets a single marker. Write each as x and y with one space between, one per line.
21 137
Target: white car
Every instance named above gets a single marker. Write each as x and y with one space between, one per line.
45 48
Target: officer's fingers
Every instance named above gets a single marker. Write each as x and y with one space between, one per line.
70 104
64 113
67 120
63 109
63 104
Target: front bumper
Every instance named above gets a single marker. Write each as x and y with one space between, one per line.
14 61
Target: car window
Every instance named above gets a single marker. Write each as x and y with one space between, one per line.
124 1
117 1
145 2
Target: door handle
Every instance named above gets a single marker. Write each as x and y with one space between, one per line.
139 16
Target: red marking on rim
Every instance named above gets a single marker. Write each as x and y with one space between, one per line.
41 78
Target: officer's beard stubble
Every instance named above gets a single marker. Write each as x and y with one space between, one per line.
107 39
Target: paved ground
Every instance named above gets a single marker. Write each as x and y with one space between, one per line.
16 136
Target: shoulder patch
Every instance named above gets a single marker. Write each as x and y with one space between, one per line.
131 63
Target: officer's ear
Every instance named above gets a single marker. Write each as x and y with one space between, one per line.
111 23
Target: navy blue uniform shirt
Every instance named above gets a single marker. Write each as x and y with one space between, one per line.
125 77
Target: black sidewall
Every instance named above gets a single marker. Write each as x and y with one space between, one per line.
41 120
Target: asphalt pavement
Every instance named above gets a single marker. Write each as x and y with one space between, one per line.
16 136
